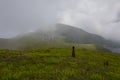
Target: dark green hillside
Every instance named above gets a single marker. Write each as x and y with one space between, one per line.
77 35
62 34
57 64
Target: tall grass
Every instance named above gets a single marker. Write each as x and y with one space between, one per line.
58 64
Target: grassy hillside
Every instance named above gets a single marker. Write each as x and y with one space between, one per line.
62 35
77 35
57 64
31 44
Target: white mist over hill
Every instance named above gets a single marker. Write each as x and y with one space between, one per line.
96 16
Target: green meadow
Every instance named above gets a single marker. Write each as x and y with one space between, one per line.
57 64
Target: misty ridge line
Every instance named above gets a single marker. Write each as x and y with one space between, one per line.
100 17
60 35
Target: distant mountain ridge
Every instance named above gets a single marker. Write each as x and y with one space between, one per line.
61 34
78 35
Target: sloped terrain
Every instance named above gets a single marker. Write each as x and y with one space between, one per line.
61 34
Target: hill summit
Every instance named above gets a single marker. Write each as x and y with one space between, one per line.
77 35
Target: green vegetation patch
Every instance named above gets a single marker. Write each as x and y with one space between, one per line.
57 64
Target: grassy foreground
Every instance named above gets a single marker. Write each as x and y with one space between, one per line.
57 64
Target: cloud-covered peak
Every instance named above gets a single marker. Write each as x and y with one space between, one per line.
96 16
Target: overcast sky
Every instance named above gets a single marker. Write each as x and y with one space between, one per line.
96 16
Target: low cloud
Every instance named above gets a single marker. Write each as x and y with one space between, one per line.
101 17
96 16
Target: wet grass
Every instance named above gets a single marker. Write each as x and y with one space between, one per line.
57 64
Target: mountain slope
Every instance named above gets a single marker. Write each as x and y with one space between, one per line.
77 35
63 35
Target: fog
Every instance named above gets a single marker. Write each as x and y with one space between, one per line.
101 17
